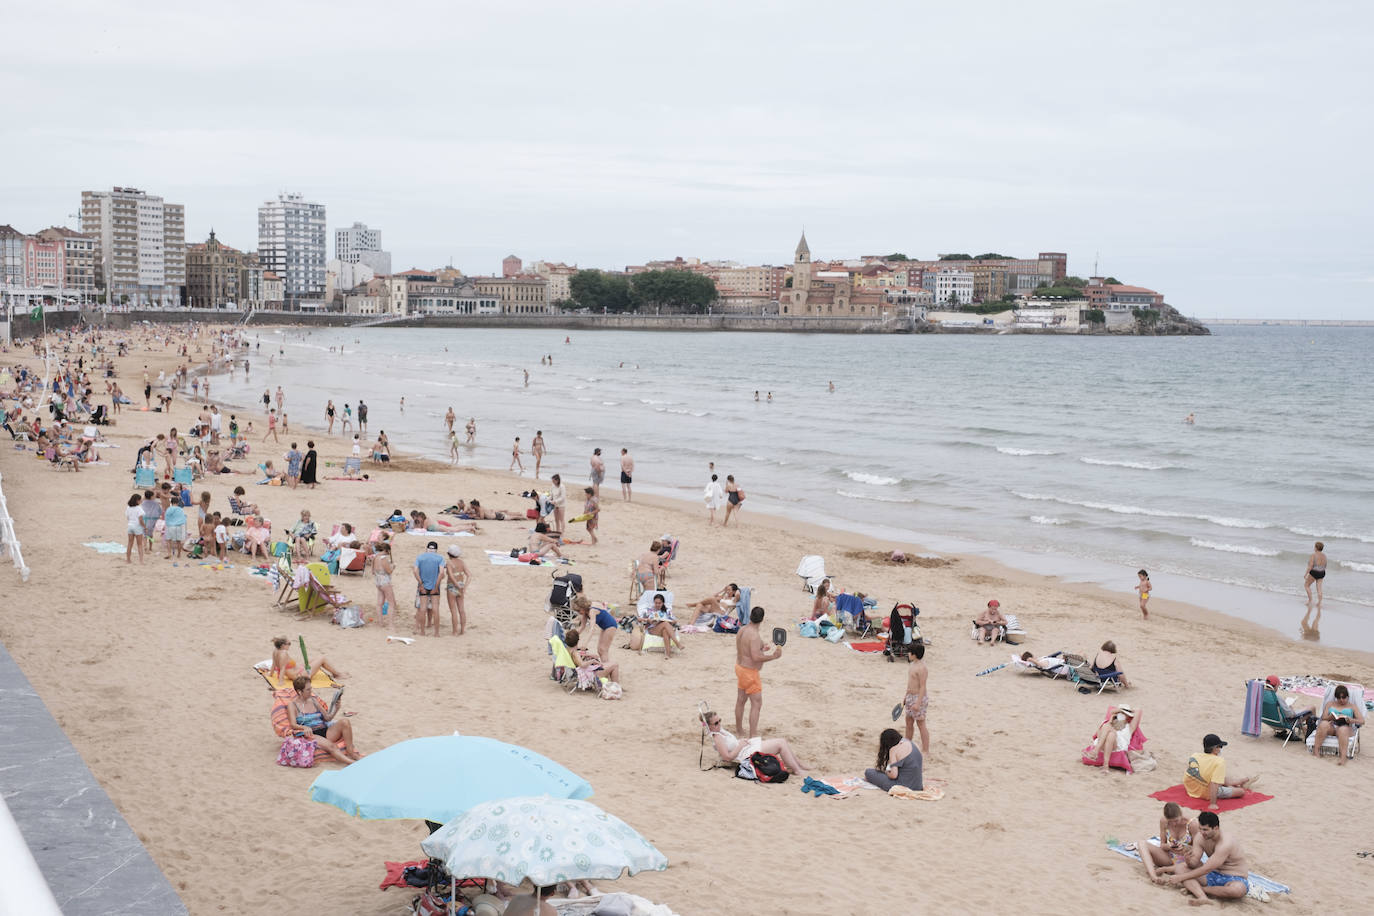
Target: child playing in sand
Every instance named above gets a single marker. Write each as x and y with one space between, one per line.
1144 589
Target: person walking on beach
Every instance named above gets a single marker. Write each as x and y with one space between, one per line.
591 509
917 698
1143 586
281 397
471 430
537 450
734 497
452 447
1316 572
449 417
382 568
362 416
750 654
598 472
266 399
527 378
627 470
715 497
346 425
271 427
293 466
515 456
329 417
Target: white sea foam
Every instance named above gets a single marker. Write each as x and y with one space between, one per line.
1021 452
1045 520
610 403
1358 567
848 494
1333 535
1233 548
1137 465
1221 520
874 479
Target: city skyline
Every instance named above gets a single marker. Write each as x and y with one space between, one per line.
1214 154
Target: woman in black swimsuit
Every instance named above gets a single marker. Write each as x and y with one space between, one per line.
1316 572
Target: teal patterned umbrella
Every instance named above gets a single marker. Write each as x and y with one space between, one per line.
545 839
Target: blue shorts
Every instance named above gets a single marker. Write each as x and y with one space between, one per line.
1217 879
605 620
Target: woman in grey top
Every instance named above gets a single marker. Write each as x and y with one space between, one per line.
899 763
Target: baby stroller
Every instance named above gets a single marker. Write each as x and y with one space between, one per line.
239 451
566 587
903 633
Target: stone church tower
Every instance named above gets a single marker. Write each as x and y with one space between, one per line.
801 276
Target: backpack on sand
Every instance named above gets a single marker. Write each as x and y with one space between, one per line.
768 767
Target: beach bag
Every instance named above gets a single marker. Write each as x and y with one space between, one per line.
808 629
768 767
745 770
834 634
611 691
348 617
297 751
636 639
725 625
531 513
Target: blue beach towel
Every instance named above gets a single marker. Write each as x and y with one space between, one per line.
1254 697
1260 881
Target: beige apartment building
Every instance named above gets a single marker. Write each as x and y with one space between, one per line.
215 275
521 295
79 259
140 246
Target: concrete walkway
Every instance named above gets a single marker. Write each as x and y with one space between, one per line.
91 859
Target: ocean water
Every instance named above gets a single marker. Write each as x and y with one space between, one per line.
1066 456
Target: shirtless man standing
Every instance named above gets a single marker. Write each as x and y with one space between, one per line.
750 655
515 457
1226 873
598 472
627 470
917 696
537 450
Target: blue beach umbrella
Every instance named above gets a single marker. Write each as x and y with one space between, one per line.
547 840
439 778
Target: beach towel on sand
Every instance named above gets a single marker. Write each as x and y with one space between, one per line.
1269 885
874 646
1180 795
498 558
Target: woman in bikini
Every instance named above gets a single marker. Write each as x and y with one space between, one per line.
382 568
456 579
285 667
310 717
648 566
1316 572
1340 718
1176 834
722 603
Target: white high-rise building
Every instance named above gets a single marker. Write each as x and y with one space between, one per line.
291 244
360 245
140 256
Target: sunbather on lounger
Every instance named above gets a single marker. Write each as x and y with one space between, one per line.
1105 663
991 623
657 623
735 750
285 667
310 717
722 603
611 669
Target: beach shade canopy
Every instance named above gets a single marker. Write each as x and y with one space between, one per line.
441 777
545 839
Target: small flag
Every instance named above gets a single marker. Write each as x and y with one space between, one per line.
37 312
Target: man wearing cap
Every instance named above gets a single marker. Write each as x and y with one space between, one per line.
992 623
1205 775
428 566
1225 875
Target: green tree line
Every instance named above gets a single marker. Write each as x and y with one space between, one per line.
678 290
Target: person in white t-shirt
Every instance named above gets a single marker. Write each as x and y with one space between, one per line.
221 540
133 512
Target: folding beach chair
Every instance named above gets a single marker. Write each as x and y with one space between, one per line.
286 575
1332 744
145 478
812 572
1276 717
1088 680
568 673
314 594
182 475
644 611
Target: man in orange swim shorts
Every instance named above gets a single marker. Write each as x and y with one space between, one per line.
750 654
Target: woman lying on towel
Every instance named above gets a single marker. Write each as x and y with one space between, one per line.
491 515
310 717
899 763
285 667
734 750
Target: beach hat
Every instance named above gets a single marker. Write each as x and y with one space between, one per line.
1212 741
1126 711
1273 681
432 545
994 603
455 551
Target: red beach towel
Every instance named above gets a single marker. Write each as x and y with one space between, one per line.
1180 795
867 646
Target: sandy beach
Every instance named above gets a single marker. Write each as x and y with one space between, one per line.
148 669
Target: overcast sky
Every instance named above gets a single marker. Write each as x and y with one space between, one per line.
1218 152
